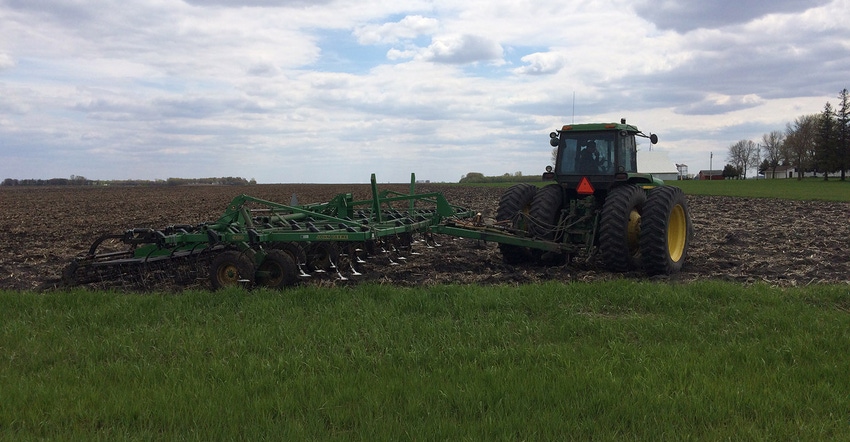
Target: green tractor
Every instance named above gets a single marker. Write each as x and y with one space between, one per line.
599 203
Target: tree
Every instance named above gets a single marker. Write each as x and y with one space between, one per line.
842 115
826 143
764 166
799 143
730 171
473 177
742 155
773 152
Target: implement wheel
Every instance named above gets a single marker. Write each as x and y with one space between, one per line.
665 231
514 206
294 250
230 269
277 271
546 212
619 228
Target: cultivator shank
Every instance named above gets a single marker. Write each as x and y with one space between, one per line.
266 243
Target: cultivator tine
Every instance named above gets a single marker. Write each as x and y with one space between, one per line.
302 273
339 274
352 252
413 251
354 271
430 241
390 258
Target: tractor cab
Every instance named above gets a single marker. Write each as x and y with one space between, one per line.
603 153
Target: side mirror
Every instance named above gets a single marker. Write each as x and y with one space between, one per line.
553 142
653 138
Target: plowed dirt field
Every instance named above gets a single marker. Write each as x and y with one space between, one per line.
779 242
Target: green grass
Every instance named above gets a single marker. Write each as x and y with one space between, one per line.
611 361
807 189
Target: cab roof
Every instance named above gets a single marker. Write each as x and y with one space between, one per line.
588 127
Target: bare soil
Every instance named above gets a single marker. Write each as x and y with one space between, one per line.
748 240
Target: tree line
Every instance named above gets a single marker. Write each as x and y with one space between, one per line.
815 143
479 178
77 180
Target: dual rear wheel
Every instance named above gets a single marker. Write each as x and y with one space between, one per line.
649 231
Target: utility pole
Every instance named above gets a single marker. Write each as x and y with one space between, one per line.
710 163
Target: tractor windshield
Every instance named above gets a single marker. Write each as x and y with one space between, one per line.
592 153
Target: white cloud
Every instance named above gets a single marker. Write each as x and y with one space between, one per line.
542 63
720 104
408 28
460 49
6 61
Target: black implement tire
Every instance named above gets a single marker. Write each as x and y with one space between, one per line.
231 268
665 231
514 206
294 250
277 271
619 228
546 212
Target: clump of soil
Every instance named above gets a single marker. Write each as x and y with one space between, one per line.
778 242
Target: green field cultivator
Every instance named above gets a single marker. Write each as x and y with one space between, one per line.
259 242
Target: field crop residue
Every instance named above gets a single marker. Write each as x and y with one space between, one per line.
749 240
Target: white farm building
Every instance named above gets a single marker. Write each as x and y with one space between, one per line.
658 164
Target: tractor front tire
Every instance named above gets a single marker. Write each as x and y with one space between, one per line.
514 206
277 271
665 231
231 269
619 228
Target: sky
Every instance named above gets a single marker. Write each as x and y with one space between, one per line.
331 91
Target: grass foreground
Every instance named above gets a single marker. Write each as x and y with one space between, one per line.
612 360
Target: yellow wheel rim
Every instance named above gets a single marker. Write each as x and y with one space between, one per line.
633 232
228 275
677 233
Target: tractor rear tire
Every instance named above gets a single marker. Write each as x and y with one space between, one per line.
231 269
619 228
665 231
546 212
277 271
514 206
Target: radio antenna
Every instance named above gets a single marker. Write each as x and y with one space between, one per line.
574 108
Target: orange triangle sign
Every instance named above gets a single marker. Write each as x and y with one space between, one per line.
584 187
